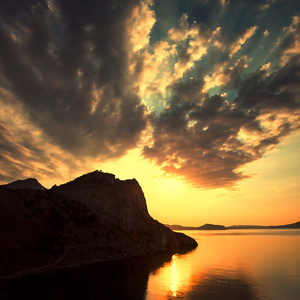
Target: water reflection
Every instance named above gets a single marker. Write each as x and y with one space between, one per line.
174 277
113 280
215 287
256 265
174 281
224 266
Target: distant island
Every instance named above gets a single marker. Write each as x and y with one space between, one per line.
203 227
93 218
222 227
287 226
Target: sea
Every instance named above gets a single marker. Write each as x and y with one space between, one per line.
227 264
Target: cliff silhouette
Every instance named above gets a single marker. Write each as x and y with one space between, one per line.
93 218
29 183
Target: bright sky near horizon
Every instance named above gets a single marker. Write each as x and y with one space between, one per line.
199 100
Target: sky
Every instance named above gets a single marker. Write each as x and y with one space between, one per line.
199 100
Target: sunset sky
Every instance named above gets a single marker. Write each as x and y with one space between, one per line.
199 100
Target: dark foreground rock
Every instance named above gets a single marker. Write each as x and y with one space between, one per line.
91 219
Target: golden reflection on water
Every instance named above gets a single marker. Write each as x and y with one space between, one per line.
171 280
251 264
174 276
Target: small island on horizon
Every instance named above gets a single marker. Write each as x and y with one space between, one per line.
222 227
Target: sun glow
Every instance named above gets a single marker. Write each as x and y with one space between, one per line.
171 185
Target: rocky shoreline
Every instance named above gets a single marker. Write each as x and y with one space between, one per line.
94 218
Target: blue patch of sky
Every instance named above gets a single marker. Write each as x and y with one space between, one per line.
200 69
214 91
241 15
236 18
259 48
260 52
155 104
202 11
230 94
168 13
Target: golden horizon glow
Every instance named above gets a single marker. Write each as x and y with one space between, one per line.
170 200
173 201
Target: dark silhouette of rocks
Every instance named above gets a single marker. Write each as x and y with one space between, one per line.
93 218
29 183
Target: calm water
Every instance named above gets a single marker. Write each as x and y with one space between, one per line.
232 264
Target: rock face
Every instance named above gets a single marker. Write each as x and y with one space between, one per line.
93 218
120 202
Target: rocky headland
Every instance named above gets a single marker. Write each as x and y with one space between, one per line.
93 218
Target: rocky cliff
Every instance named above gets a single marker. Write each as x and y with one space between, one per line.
96 217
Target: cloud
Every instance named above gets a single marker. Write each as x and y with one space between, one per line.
224 3
25 153
198 142
82 81
67 63
289 43
241 39
205 139
139 25
223 76
259 5
265 67
181 33
266 33
192 44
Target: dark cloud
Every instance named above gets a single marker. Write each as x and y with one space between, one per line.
278 91
203 141
190 90
259 4
199 142
67 63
